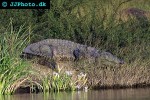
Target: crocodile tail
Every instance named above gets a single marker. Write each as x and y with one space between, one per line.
111 58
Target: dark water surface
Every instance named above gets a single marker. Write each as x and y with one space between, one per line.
110 94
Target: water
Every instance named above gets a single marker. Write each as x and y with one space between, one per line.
110 94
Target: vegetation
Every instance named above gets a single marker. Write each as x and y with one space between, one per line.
96 23
13 70
64 81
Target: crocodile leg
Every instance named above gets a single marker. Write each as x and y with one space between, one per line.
76 54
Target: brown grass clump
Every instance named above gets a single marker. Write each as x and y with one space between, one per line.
127 75
135 13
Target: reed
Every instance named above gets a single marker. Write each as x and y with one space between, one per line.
13 70
63 81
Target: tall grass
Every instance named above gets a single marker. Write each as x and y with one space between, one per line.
62 81
13 70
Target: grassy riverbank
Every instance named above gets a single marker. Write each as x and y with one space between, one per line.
17 74
94 23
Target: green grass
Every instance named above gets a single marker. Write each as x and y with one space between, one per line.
63 81
13 70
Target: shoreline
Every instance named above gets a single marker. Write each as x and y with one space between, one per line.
104 83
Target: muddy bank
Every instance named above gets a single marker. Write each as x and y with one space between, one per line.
98 77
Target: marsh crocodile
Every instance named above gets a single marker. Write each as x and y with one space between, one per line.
60 50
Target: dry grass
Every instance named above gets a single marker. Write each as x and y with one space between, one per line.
127 75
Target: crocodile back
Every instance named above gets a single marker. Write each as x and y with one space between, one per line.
64 49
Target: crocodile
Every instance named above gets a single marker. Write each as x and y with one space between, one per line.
60 50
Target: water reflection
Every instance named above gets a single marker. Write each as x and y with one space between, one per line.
120 94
